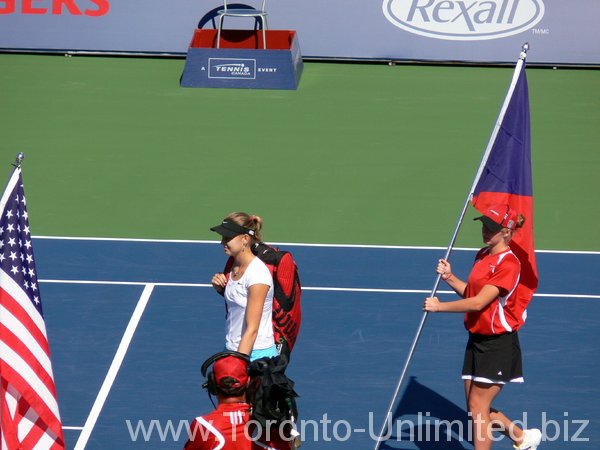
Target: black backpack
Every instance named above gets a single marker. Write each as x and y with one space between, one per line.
272 396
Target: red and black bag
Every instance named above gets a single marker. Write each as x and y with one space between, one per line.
287 291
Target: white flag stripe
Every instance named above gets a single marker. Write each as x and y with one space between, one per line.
29 375
16 292
9 187
12 397
26 424
23 334
45 442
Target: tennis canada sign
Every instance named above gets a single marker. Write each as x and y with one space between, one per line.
464 20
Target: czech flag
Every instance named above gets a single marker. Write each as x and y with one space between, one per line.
505 178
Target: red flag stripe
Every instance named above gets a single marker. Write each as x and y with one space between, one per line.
12 398
19 304
12 341
27 418
7 424
32 431
31 398
11 324
17 312
24 379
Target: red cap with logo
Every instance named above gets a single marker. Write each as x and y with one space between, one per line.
497 217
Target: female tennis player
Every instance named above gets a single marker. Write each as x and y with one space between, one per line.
493 353
247 288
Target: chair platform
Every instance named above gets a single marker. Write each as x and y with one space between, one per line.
241 61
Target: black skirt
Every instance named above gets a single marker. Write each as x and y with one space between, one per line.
493 359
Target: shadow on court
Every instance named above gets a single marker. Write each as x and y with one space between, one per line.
426 419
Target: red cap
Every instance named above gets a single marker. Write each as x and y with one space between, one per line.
231 366
497 217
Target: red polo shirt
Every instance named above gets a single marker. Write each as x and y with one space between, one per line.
225 429
222 429
499 316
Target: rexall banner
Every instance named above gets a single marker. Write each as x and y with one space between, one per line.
462 20
559 31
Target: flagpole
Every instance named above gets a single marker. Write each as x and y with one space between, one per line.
19 159
486 154
17 166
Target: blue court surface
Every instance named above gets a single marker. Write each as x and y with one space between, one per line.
130 322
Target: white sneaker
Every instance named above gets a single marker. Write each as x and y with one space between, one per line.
531 439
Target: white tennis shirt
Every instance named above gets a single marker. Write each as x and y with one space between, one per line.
236 299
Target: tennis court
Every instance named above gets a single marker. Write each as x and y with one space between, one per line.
130 322
361 154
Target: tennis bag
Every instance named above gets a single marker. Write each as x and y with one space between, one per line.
273 399
287 291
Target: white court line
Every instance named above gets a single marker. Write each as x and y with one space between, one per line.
422 291
304 288
72 428
297 244
126 283
114 368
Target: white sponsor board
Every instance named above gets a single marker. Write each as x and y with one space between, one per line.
559 31
464 20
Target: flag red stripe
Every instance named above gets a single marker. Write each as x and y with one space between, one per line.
21 314
8 426
24 388
25 353
31 396
38 430
36 433
23 344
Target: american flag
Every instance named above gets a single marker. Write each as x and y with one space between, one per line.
29 414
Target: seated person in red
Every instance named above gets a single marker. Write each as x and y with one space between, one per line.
226 428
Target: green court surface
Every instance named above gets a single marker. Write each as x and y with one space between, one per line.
359 154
